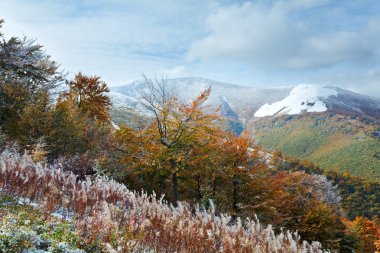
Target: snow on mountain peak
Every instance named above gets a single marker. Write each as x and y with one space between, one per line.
303 97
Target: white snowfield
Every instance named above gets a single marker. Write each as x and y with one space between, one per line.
302 97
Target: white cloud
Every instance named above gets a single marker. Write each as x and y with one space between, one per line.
178 71
118 40
363 81
259 42
279 36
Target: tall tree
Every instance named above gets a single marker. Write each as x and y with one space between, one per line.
81 121
23 62
179 127
26 74
88 92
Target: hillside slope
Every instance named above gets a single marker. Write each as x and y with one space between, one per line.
332 141
109 213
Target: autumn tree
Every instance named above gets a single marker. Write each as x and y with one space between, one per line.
237 164
81 121
88 92
36 120
68 128
367 231
178 129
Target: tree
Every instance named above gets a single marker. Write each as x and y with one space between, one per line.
24 62
68 128
36 120
179 128
26 74
237 164
74 132
88 94
81 120
367 231
321 223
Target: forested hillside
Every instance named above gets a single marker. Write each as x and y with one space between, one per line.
177 183
359 196
344 143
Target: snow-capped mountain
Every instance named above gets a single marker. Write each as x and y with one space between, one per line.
302 98
240 103
241 100
316 98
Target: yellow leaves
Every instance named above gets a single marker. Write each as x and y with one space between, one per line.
367 231
39 153
87 92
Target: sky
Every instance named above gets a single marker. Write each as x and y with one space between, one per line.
254 43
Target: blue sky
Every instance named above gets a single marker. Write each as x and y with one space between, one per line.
254 43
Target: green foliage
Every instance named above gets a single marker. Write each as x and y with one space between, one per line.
334 142
357 158
360 196
24 228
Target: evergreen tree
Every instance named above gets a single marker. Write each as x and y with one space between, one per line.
27 77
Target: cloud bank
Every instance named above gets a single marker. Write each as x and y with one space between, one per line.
247 42
280 36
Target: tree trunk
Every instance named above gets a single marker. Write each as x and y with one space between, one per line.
214 185
199 185
235 194
174 181
175 188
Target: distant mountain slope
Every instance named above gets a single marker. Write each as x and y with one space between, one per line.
301 98
243 101
344 143
353 103
250 102
315 98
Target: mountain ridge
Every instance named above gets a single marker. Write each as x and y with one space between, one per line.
248 102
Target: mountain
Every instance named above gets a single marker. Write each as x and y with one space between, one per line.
302 98
335 128
244 101
314 98
249 102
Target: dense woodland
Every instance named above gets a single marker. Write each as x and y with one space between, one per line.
339 142
184 154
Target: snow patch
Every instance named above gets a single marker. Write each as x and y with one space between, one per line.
303 97
116 127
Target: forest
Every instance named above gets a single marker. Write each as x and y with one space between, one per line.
179 183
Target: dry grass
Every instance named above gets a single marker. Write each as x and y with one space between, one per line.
128 222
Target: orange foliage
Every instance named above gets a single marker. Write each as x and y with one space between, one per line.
88 94
367 231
